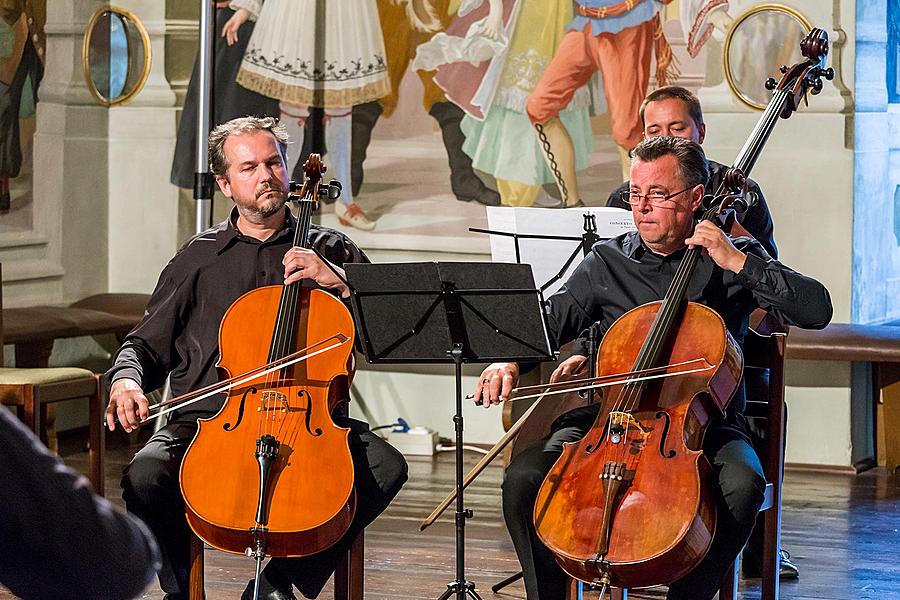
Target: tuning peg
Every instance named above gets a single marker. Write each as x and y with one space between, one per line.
332 191
783 69
827 73
817 86
771 84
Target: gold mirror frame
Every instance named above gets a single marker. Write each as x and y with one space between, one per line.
85 56
726 50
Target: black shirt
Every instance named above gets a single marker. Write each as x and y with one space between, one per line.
756 219
179 331
622 273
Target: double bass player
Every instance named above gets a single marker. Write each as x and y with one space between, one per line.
178 336
734 276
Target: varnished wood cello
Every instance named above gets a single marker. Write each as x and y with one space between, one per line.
630 504
271 473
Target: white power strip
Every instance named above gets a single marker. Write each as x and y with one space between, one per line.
418 441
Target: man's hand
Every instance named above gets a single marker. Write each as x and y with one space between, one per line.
300 263
127 402
574 365
230 29
718 246
496 382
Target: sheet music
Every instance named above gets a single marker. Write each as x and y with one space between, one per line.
547 257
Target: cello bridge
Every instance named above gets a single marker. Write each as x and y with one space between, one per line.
619 424
274 401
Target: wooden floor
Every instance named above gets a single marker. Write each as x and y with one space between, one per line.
843 531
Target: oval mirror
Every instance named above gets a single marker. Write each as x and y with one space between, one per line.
115 55
758 42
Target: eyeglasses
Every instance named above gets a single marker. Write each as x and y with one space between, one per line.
656 199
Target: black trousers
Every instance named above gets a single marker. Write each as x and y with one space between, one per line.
151 490
740 491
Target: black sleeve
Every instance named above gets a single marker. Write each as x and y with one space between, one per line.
792 297
576 306
61 540
148 354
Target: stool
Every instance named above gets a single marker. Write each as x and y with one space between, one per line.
348 575
33 390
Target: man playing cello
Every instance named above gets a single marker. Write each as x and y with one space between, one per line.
733 277
178 336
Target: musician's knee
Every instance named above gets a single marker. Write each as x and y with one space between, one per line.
522 480
742 483
148 480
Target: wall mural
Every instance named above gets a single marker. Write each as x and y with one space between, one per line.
22 45
419 106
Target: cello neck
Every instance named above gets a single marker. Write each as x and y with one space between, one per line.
285 334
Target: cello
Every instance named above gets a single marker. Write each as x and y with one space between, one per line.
630 505
271 473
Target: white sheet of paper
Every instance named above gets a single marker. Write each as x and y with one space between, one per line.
547 257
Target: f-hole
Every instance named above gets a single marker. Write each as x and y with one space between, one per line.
229 426
665 434
308 410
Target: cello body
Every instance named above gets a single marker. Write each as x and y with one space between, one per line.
271 473
633 506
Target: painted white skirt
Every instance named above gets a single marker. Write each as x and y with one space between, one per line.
327 53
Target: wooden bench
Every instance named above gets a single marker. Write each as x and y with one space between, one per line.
33 330
878 345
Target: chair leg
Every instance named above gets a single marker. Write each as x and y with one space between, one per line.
195 580
97 451
729 588
349 576
771 557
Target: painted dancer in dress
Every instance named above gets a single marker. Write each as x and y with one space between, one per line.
488 62
311 53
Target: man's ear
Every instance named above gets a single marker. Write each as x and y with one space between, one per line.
697 194
224 185
701 130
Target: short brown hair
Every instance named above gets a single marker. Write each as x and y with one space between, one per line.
693 167
679 93
218 163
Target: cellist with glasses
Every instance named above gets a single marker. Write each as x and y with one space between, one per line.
733 276
178 337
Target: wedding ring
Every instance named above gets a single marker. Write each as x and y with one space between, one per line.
485 381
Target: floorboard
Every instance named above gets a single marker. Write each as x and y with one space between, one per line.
842 530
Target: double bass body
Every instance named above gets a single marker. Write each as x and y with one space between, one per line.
630 504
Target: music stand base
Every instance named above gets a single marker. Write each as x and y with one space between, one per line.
461 590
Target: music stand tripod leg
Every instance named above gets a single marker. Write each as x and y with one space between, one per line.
460 587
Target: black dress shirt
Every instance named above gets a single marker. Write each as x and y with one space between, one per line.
179 332
57 538
622 273
756 219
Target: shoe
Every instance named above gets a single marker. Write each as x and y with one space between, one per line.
274 594
351 215
752 569
464 183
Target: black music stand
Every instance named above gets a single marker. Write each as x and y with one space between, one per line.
449 312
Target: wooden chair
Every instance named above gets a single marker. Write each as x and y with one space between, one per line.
32 390
763 355
348 576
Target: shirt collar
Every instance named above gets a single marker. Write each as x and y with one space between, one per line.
229 234
633 247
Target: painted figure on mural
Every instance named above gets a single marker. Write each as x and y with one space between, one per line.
229 100
489 61
286 59
618 38
22 50
406 24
